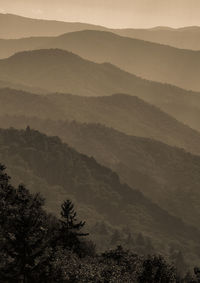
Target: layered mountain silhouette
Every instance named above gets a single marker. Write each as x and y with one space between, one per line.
121 108
145 59
161 172
40 160
56 70
15 26
61 71
125 113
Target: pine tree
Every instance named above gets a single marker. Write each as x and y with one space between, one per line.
70 232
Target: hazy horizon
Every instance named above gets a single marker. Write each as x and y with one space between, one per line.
110 13
106 26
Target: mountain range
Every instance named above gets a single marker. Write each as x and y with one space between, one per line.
43 71
128 114
112 119
145 59
17 27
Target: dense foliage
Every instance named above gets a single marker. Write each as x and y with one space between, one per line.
37 247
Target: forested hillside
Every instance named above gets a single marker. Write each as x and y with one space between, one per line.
38 247
161 172
37 159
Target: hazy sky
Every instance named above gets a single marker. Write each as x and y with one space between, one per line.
113 13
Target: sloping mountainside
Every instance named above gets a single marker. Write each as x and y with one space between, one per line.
15 26
186 38
125 113
145 59
56 70
34 156
167 175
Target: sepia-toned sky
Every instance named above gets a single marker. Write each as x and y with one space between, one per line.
112 13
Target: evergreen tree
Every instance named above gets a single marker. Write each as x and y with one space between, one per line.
70 232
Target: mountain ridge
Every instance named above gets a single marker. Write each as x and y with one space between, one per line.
44 69
152 61
16 26
125 113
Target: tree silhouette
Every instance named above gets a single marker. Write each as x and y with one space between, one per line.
23 232
70 226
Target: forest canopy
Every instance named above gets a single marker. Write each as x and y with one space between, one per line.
39 247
